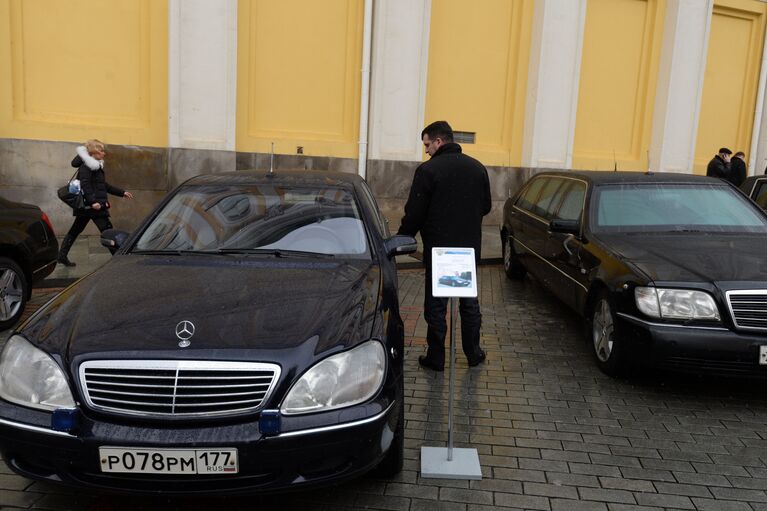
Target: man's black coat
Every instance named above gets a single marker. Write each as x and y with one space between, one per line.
449 196
737 172
717 167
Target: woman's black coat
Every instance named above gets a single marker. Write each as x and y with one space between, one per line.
95 189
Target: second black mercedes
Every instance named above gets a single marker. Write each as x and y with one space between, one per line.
667 269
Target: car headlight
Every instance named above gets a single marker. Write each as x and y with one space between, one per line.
345 379
675 303
30 377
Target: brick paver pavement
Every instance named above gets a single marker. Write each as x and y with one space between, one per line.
553 433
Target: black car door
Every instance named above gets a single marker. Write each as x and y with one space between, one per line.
759 193
563 251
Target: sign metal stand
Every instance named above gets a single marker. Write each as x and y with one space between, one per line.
450 268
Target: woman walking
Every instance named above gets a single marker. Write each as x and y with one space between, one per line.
90 164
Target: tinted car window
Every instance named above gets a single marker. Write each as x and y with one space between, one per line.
253 217
572 205
528 198
548 199
760 193
674 207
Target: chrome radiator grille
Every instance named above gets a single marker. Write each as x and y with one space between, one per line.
748 308
177 388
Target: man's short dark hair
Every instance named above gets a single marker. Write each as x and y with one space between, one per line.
438 129
740 154
722 150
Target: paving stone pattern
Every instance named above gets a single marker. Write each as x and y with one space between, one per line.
552 432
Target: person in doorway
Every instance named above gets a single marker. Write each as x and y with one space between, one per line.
90 164
449 196
738 169
719 166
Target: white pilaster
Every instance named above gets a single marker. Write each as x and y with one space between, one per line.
400 64
552 87
680 85
203 74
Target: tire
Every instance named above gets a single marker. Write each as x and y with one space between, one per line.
14 290
511 265
609 352
395 456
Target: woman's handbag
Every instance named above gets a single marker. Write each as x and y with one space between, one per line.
71 194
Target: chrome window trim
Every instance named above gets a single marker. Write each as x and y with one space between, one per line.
35 429
543 220
178 365
753 187
335 427
669 325
549 263
732 313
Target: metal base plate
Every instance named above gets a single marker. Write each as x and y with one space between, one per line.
464 465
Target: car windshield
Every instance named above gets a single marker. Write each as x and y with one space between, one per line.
666 207
255 219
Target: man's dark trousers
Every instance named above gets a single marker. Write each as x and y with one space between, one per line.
434 310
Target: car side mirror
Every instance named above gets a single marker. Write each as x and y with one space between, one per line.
400 245
565 226
113 238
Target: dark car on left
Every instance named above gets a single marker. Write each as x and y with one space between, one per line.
667 269
28 249
245 338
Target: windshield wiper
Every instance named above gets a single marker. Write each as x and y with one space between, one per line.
173 252
273 251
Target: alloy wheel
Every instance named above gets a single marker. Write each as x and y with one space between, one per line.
602 331
11 293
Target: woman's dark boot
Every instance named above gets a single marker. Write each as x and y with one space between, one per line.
66 244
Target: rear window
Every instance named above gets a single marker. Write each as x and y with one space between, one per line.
673 208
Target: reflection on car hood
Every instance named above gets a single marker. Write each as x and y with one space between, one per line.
134 303
693 257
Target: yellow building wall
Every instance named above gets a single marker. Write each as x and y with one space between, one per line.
619 68
732 78
477 76
77 69
298 76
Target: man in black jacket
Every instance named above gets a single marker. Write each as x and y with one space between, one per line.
448 198
719 166
738 169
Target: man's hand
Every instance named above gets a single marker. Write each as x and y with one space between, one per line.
727 158
96 206
128 195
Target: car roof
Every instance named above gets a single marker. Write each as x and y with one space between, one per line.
622 177
278 177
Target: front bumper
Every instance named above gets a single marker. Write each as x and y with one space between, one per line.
306 458
715 350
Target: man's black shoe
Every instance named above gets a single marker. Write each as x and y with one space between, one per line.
426 362
478 359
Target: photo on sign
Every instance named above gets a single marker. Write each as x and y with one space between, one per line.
457 279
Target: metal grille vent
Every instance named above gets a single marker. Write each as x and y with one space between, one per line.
748 308
464 137
177 388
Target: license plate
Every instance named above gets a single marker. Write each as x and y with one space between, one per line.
762 355
168 461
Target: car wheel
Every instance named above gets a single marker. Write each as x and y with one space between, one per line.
607 349
14 291
511 265
395 457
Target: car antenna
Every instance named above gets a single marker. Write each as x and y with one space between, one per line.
615 162
271 161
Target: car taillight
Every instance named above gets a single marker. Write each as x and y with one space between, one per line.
48 222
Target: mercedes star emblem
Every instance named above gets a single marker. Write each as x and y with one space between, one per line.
184 331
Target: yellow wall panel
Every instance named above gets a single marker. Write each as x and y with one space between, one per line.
298 76
731 80
478 59
77 69
621 54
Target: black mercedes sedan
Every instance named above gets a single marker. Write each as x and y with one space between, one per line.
666 269
245 338
28 249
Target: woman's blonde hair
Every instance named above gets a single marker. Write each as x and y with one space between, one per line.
94 145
